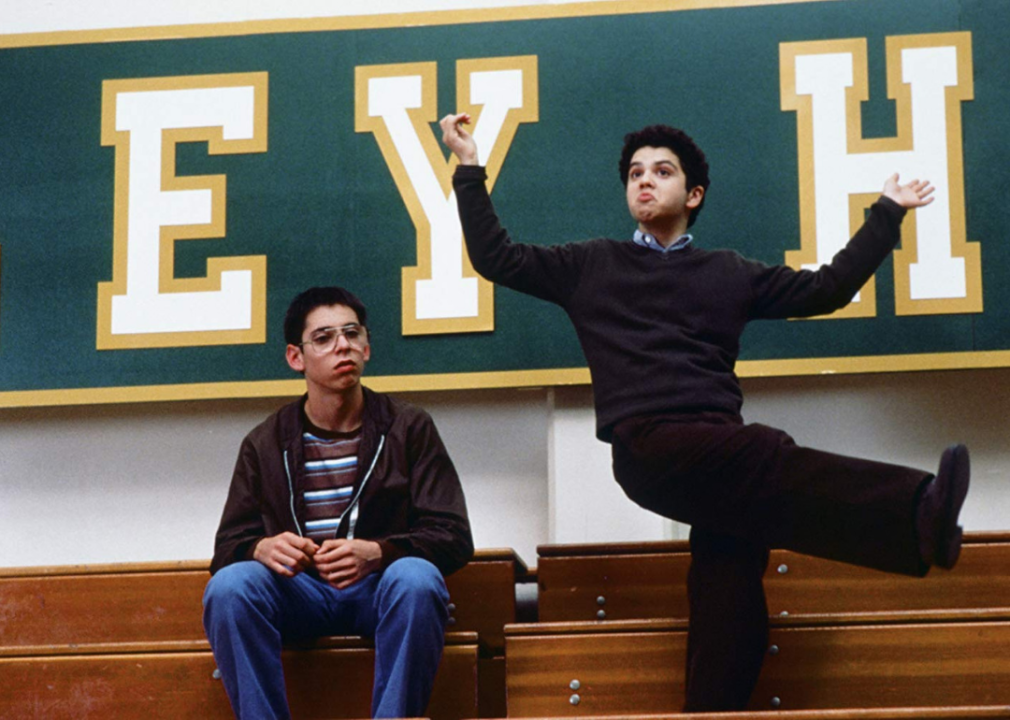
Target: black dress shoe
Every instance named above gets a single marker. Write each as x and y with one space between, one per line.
951 488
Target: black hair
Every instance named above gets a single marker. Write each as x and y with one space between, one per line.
692 159
307 301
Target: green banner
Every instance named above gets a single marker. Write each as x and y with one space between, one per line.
165 192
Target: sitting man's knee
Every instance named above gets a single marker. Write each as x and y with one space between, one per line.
415 579
235 584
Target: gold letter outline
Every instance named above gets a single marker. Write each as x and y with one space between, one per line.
963 91
903 141
168 234
803 106
420 119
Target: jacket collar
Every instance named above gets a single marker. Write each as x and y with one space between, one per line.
377 418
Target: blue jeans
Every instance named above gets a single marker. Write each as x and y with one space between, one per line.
249 611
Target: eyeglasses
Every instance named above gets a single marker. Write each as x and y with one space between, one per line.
325 339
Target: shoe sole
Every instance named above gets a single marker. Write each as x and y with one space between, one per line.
955 467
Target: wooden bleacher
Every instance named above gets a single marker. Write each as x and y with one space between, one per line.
649 580
846 643
126 640
612 637
637 666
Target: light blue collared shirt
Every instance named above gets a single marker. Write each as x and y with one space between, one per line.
649 241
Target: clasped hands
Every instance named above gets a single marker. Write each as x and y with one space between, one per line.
339 562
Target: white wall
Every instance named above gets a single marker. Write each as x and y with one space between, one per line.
147 482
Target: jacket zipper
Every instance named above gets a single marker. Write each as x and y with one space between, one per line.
353 507
291 494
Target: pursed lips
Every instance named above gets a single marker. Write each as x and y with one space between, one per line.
344 365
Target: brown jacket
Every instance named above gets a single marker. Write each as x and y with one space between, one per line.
408 497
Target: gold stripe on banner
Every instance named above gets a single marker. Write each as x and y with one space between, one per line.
289 388
493 380
379 21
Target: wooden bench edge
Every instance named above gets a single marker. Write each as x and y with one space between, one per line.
159 566
670 624
666 547
901 713
334 642
130 568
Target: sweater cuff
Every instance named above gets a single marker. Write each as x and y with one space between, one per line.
470 172
892 207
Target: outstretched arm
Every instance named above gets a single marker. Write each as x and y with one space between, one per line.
911 195
783 292
459 140
549 273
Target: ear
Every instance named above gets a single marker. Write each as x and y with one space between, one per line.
294 357
694 196
367 352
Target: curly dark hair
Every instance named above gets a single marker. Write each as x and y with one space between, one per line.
692 159
307 301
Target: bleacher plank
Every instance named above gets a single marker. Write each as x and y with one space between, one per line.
797 583
622 580
89 604
121 685
870 660
173 684
649 580
927 659
909 713
482 596
162 601
482 599
623 666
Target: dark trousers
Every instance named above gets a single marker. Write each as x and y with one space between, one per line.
744 489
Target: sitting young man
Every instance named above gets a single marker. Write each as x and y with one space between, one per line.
343 516
660 320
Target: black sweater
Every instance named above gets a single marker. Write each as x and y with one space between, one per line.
661 331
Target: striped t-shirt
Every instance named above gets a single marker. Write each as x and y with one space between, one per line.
331 465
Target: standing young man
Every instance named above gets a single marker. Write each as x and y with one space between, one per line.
660 321
343 516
